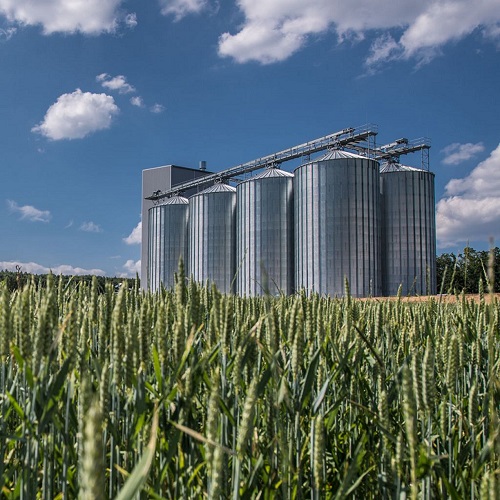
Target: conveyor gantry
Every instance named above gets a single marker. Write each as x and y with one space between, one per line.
348 137
391 152
360 139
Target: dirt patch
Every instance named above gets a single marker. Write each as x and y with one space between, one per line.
448 298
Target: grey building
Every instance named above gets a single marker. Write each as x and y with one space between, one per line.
154 179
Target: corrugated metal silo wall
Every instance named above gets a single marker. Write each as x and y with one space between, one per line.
264 234
409 232
167 241
337 226
212 236
160 178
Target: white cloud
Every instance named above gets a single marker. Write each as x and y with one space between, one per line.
157 108
118 83
449 20
131 20
261 42
34 268
383 49
470 211
90 227
274 30
68 16
137 101
76 115
483 181
493 33
8 33
29 212
131 269
181 8
457 153
135 237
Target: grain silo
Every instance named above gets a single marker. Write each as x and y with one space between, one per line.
167 241
337 225
408 230
212 236
264 234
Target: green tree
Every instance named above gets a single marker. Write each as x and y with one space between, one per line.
464 272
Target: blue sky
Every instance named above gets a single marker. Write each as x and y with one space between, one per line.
92 93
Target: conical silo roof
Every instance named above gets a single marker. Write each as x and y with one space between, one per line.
218 188
269 173
176 200
339 154
397 167
272 172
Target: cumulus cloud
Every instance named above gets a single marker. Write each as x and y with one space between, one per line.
273 31
118 83
457 153
76 115
443 21
131 269
90 227
181 8
261 42
29 212
34 268
470 209
67 16
157 108
137 101
134 238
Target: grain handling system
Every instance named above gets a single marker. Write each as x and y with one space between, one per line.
360 139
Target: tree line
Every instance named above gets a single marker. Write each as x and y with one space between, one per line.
454 273
17 280
465 271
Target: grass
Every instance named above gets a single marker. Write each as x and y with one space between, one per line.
192 394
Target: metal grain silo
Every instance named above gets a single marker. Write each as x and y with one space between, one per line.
167 241
264 234
212 236
337 225
408 230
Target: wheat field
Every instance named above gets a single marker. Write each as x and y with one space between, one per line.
192 394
